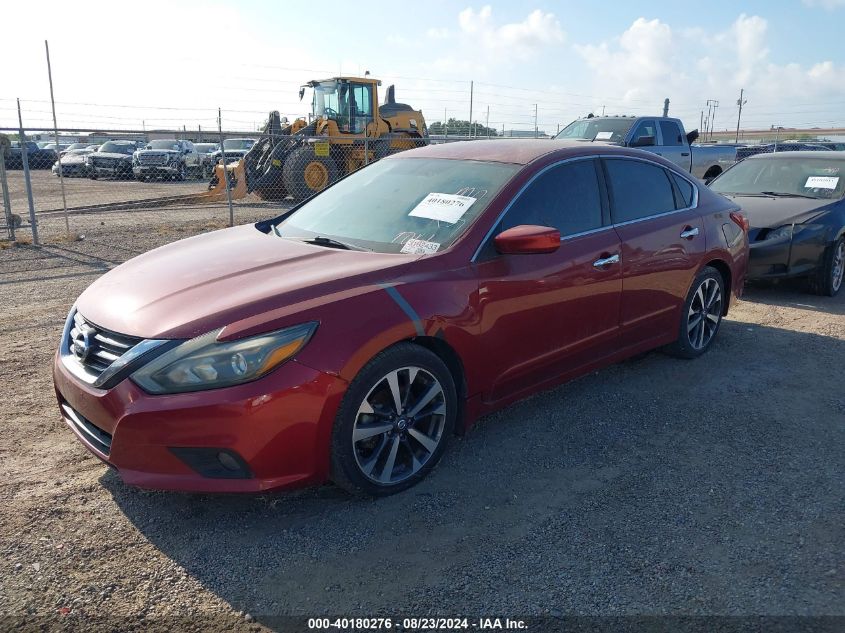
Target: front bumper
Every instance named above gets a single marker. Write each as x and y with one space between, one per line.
277 428
121 169
145 170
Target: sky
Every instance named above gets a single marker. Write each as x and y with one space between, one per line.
175 63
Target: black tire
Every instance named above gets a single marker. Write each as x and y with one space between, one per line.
413 459
296 167
93 175
700 308
828 279
181 174
142 178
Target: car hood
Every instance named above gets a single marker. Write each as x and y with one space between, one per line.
197 285
111 155
770 213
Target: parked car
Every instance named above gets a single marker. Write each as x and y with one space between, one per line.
36 157
350 337
73 163
167 158
206 152
831 145
796 208
663 136
783 146
236 149
112 159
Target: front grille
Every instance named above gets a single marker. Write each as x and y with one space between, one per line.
108 163
152 159
95 348
93 434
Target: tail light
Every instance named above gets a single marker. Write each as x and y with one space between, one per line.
740 220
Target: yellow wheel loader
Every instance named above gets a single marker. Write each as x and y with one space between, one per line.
347 129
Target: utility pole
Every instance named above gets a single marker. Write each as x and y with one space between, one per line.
712 118
602 110
701 123
740 102
470 107
487 123
535 120
666 107
445 125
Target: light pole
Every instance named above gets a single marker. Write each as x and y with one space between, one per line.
740 102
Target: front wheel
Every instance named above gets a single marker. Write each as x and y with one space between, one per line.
829 277
394 421
701 315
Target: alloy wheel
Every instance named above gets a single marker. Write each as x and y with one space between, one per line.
399 425
838 267
705 313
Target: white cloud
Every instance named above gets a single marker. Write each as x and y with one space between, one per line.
438 33
522 39
650 60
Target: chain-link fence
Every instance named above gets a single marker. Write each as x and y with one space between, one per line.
99 171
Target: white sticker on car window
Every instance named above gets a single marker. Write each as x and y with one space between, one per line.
604 136
822 182
419 247
445 207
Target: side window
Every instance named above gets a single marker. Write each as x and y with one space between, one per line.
565 197
643 131
671 133
639 189
685 189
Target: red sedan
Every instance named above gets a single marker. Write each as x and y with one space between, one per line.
347 339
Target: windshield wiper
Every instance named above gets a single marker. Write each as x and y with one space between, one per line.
331 243
782 194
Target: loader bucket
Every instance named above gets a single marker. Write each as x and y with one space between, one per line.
237 183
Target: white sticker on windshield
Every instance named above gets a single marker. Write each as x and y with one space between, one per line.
604 136
419 247
822 182
446 207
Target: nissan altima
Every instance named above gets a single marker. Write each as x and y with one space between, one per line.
348 338
795 204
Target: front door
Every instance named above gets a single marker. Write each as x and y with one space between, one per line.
544 315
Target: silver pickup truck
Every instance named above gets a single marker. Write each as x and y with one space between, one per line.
662 135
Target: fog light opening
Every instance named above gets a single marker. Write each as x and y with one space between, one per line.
228 462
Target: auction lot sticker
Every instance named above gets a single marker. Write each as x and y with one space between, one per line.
445 207
420 247
822 182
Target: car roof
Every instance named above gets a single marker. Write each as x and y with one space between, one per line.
784 155
514 151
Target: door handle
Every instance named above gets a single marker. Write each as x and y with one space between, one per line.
606 261
684 153
689 232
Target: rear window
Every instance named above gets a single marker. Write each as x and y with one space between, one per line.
639 189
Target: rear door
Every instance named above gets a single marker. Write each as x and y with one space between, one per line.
663 245
673 145
545 314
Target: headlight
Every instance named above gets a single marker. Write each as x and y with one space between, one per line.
780 233
203 363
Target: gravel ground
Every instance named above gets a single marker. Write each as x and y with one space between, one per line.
657 486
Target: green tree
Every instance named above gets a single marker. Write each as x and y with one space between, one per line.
457 127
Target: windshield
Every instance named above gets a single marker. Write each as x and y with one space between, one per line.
350 104
117 148
164 143
383 206
597 129
814 177
238 143
205 148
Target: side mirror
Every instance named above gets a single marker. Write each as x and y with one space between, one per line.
692 137
527 239
643 141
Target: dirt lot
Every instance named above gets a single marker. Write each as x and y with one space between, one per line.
83 192
657 486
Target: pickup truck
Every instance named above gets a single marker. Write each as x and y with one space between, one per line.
662 135
38 158
167 158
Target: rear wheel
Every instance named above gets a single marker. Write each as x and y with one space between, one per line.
701 315
304 173
394 422
828 279
182 173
